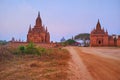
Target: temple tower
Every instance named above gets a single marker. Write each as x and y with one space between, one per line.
38 34
98 36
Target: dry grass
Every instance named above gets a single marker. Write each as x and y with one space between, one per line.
50 66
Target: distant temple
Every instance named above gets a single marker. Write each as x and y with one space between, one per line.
38 34
63 39
100 37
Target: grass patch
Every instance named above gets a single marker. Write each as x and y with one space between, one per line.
47 64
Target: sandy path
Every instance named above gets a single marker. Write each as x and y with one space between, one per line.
102 66
94 63
113 53
77 67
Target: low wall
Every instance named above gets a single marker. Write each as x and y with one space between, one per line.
44 45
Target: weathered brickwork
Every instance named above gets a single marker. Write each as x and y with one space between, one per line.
38 34
100 37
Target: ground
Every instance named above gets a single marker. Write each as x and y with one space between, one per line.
94 63
78 63
48 66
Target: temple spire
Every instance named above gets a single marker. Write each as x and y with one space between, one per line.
30 28
106 31
46 29
98 26
38 21
38 33
38 14
98 21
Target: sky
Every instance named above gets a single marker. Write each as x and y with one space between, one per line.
63 18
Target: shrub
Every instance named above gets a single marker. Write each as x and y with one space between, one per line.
22 49
42 50
31 49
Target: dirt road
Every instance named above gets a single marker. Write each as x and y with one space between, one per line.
87 64
77 67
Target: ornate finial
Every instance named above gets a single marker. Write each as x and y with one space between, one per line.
46 28
98 20
38 21
38 14
98 26
30 25
106 31
30 28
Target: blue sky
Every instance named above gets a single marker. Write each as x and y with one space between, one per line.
62 17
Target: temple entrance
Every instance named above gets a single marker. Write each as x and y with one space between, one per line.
99 42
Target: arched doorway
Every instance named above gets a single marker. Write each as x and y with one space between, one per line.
99 42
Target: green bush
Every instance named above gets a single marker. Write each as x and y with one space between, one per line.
41 50
22 49
31 49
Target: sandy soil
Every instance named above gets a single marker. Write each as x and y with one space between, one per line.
94 63
77 67
108 52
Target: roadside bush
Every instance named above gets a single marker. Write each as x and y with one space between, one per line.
31 49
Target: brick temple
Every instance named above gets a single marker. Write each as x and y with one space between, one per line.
100 37
39 33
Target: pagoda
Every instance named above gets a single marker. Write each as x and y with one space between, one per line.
39 33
